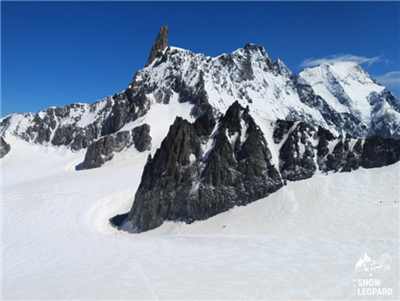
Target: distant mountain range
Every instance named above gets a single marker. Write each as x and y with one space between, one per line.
254 125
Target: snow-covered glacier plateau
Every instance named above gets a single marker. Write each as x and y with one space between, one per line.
302 242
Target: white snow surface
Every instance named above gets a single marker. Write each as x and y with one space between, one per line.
302 242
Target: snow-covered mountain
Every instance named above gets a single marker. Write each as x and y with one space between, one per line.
346 87
190 142
328 118
341 97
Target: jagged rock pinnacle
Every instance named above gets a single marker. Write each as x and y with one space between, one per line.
160 44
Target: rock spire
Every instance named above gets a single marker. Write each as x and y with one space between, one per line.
159 45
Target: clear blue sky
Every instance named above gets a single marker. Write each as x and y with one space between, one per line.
58 53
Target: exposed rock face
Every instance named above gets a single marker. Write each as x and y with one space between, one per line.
239 169
384 106
282 127
4 147
199 172
167 178
335 154
349 154
103 149
297 153
159 45
304 150
378 152
117 117
142 138
75 126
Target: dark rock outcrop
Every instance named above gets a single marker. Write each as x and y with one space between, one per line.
168 178
4 147
343 157
282 127
116 118
239 169
296 156
186 180
67 125
142 138
118 220
159 45
349 154
304 150
104 148
385 106
378 152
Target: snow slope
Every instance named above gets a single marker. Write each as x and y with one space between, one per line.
302 242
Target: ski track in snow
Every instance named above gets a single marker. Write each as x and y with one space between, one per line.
301 242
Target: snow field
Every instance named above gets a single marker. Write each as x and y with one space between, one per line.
303 242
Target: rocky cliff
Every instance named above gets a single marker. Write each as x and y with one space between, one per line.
304 149
202 169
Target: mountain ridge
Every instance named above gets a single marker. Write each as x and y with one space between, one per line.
211 85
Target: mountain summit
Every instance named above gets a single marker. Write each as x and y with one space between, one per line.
159 45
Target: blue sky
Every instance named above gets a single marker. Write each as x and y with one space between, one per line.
58 53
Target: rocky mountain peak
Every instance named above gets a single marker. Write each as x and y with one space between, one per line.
159 45
201 170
